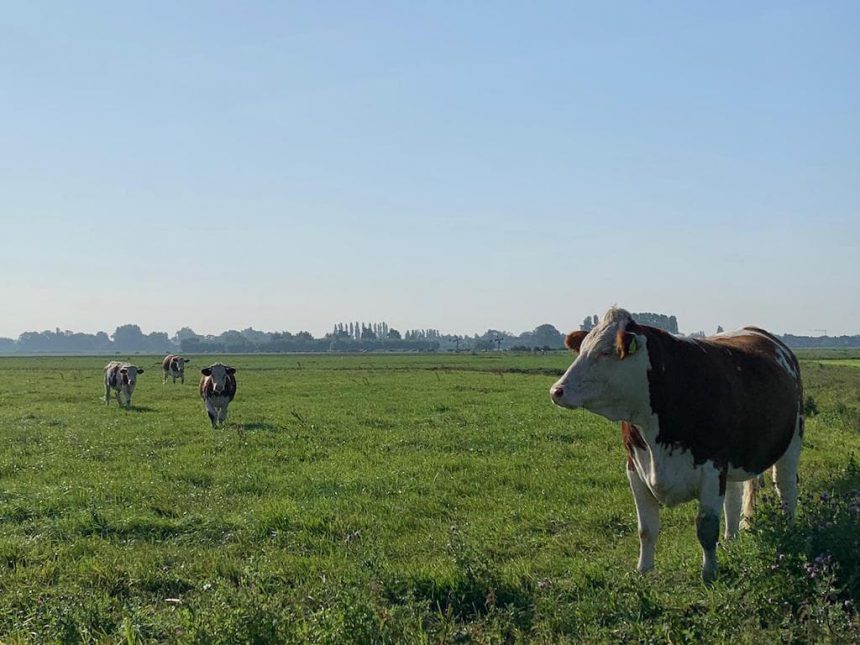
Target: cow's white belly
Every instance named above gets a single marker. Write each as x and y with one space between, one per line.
672 476
669 473
740 475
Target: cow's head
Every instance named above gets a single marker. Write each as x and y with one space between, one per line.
177 363
609 377
129 374
218 373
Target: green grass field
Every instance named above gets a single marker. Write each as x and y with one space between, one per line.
433 498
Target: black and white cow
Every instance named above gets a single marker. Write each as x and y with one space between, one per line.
174 366
121 377
217 389
700 418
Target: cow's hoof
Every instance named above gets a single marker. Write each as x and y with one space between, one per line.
709 575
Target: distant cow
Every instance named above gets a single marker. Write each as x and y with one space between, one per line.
121 377
700 419
174 366
217 389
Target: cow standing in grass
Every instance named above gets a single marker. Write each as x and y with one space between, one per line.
700 419
217 389
121 377
174 366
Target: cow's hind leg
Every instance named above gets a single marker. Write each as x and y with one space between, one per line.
648 519
708 519
751 488
107 393
785 475
732 508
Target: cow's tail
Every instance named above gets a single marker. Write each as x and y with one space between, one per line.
751 488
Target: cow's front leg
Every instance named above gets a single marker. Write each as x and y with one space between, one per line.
222 415
211 411
711 496
648 519
118 399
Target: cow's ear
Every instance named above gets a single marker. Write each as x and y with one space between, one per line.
574 340
140 370
231 370
626 344
206 371
187 360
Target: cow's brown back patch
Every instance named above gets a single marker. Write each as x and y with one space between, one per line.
112 373
725 399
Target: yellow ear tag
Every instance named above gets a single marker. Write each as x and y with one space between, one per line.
632 349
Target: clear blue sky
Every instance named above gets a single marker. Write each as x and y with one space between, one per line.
454 165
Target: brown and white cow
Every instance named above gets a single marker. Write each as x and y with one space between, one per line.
174 366
121 377
700 419
217 389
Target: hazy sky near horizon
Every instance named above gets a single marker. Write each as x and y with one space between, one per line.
452 165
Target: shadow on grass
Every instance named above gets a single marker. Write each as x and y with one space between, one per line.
475 591
468 598
136 527
141 408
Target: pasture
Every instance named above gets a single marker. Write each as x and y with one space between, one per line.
432 498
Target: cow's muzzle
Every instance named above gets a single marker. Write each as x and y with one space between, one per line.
557 394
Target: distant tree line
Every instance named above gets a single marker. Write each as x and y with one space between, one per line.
821 341
129 339
344 337
126 338
660 321
670 324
